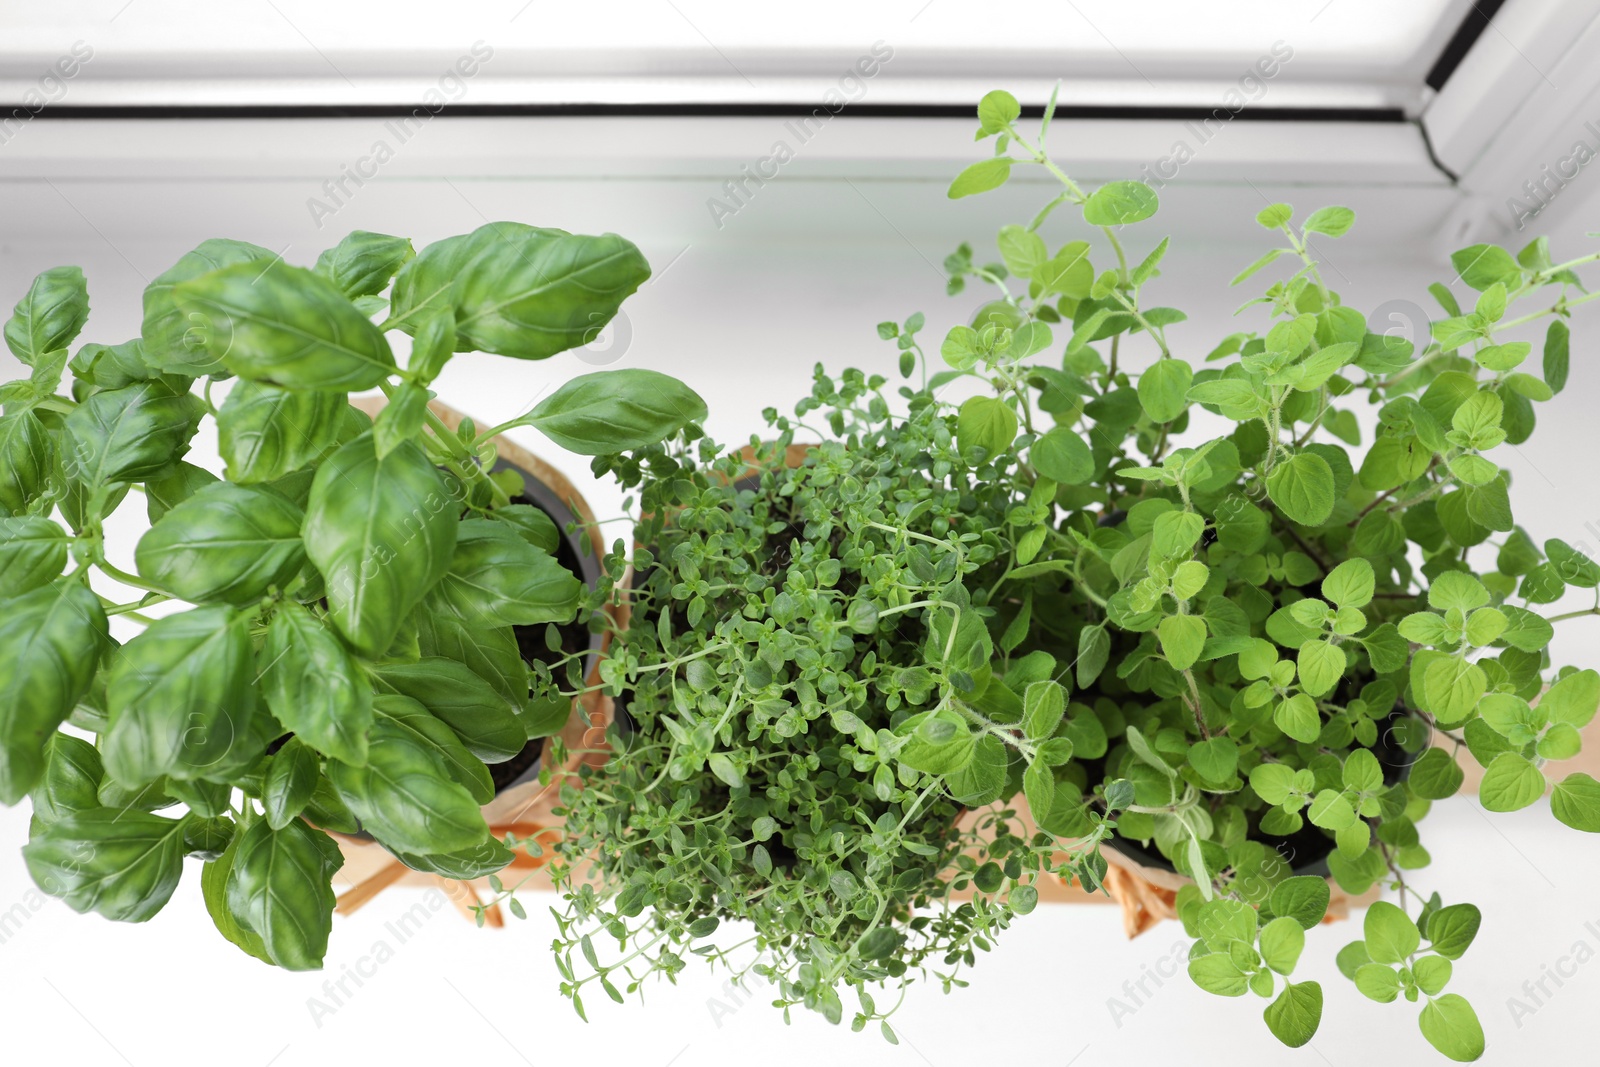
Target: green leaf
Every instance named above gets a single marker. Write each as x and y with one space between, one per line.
1175 533
1293 1018
1120 203
997 110
213 886
1302 488
226 542
1556 346
1297 717
1390 934
285 326
1452 1027
265 432
1164 389
51 640
988 423
280 888
1482 266
1378 981
1043 703
1303 898
1510 783
27 461
430 733
496 578
1182 638
1452 929
980 177
1352 958
1094 649
50 316
381 533
484 720
1333 221
71 779
1021 248
405 796
1350 584
983 778
1282 940
1576 802
171 341
313 687
291 779
1217 973
33 553
1573 699
1235 398
363 263
129 434
1274 215
1451 688
1574 567
1436 775
1331 810
1432 974
939 742
1062 456
1321 664
1215 759
122 864
616 411
1272 783
180 697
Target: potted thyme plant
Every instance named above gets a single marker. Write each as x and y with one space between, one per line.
345 658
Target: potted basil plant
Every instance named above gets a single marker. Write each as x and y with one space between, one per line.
324 633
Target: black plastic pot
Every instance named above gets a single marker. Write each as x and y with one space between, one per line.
582 561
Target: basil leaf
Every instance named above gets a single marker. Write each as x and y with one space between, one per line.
71 779
33 552
180 697
122 864
498 579
479 861
404 796
225 542
314 687
27 459
286 326
381 533
130 434
291 779
363 263
171 489
485 721
520 290
491 653
51 640
425 730
171 341
616 411
265 431
50 315
280 888
214 878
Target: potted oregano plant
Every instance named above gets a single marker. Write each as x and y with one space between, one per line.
1286 637
344 655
